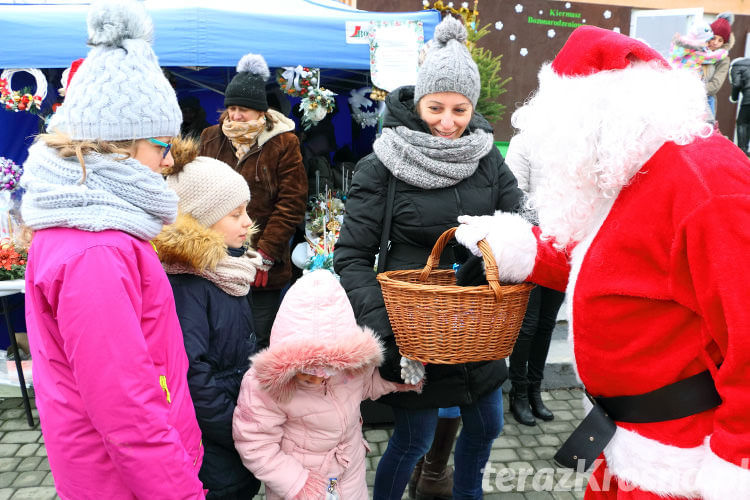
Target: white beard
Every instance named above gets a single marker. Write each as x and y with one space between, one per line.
588 137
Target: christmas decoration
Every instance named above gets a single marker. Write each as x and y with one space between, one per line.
297 81
316 105
10 174
12 260
378 94
360 105
22 100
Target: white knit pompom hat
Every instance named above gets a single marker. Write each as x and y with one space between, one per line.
209 189
119 92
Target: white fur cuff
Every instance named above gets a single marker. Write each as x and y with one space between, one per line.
719 479
513 245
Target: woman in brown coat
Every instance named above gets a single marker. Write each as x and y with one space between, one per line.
260 144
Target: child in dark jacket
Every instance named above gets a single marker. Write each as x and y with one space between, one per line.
210 268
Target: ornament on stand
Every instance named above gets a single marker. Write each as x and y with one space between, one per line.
22 100
360 105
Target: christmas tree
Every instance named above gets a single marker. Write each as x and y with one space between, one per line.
489 65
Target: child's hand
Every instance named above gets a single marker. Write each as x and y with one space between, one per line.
411 371
314 488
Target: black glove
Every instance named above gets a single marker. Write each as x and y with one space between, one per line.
471 272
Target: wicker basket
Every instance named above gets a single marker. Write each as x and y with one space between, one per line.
436 321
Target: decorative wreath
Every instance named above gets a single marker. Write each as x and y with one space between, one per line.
360 105
318 103
297 81
22 100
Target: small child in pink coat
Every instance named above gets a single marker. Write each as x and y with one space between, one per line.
297 424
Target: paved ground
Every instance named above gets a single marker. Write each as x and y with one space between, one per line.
520 465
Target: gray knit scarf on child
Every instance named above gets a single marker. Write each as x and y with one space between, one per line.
431 162
118 194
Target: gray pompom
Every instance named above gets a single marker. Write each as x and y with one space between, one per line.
110 22
255 64
450 29
728 16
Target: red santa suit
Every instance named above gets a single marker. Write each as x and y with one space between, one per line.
657 293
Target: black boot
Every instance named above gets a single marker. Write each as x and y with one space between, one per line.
519 405
537 405
415 475
436 480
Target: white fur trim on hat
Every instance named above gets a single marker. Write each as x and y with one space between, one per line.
209 189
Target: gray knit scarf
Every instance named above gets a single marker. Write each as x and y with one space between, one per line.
431 162
118 194
234 275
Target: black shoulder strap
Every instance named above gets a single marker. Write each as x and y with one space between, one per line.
387 223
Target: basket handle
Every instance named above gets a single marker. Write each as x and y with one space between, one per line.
489 261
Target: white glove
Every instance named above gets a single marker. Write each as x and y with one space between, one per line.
411 371
510 237
474 229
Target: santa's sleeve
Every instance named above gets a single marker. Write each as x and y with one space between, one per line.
520 252
711 275
551 265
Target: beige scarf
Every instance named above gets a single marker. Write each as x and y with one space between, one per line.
243 134
234 275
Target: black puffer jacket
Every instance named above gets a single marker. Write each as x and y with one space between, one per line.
739 77
420 216
219 337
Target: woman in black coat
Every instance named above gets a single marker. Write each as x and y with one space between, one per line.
442 158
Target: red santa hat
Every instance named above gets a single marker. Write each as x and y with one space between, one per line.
590 50
67 75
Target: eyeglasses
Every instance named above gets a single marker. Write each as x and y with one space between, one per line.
167 146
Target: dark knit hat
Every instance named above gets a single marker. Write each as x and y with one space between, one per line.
723 25
248 87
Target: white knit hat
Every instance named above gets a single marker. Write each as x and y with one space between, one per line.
209 189
119 92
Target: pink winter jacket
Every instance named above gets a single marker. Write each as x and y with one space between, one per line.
110 369
284 429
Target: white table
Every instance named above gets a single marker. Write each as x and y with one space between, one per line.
7 288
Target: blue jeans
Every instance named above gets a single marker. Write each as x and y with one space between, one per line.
412 437
712 105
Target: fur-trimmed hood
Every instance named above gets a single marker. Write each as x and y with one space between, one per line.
189 243
314 329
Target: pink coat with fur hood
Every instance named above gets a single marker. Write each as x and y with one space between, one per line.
295 437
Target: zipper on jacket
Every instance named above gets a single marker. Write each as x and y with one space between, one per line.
163 384
198 454
459 206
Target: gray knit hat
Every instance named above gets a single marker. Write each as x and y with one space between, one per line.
209 189
448 66
248 87
119 92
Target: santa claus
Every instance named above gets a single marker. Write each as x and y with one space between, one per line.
644 219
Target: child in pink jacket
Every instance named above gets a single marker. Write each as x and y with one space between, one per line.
297 424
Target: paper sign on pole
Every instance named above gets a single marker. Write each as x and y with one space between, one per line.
394 52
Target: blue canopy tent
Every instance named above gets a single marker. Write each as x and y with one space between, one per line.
190 36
